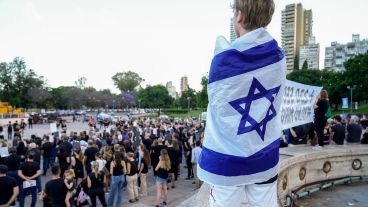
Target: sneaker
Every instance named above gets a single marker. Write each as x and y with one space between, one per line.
317 147
164 203
131 201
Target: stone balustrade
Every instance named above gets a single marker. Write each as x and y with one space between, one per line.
301 167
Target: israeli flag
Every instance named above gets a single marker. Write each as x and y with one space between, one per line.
245 90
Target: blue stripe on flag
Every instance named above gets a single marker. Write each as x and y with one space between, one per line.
233 62
230 165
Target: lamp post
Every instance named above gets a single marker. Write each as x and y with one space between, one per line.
189 98
351 97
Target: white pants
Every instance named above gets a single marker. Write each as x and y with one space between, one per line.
264 195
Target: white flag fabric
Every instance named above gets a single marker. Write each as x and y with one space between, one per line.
245 91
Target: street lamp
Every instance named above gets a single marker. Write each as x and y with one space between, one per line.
189 98
351 88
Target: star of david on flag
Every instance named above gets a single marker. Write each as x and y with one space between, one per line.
247 122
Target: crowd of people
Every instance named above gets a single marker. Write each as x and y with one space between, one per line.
111 158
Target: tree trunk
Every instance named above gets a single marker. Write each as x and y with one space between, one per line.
159 112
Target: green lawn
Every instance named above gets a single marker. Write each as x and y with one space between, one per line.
191 114
363 109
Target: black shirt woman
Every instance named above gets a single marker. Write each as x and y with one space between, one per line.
321 107
117 171
95 183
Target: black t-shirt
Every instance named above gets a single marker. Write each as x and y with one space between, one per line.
7 185
365 138
29 168
56 192
145 167
66 146
97 183
339 134
90 153
47 149
173 154
321 111
13 162
133 168
162 173
354 133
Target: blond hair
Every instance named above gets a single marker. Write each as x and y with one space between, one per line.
258 13
165 159
324 94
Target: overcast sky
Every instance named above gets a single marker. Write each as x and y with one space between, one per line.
161 40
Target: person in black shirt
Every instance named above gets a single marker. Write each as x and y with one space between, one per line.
63 159
156 153
338 131
55 189
188 155
320 119
66 145
365 137
48 158
29 171
162 168
95 182
9 188
10 131
13 163
117 170
174 157
132 178
89 156
354 130
143 170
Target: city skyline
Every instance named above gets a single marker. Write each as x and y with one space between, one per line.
97 39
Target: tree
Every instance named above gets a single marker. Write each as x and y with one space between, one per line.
356 74
39 97
188 99
81 82
127 81
155 97
296 62
202 96
15 82
305 65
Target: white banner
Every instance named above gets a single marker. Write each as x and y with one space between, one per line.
297 107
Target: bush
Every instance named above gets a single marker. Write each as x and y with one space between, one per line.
175 111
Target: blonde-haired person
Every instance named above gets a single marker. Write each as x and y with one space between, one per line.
162 169
321 107
132 177
95 182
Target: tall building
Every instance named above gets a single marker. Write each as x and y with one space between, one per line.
310 53
337 53
184 86
232 30
171 89
296 28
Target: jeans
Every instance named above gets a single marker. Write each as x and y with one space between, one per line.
23 194
39 184
117 187
47 162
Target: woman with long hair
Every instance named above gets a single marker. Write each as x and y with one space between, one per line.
117 170
132 179
95 183
143 169
77 163
162 168
108 156
321 107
